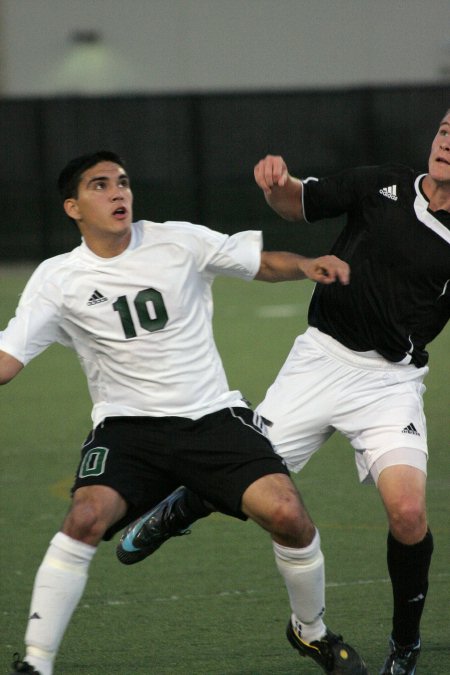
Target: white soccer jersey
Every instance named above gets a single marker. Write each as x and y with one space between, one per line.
140 322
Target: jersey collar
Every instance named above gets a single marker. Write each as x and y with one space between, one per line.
434 220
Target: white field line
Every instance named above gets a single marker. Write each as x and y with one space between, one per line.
280 311
248 593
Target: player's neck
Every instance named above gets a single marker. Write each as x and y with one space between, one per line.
108 247
437 193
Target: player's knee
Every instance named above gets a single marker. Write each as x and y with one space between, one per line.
291 523
408 521
85 522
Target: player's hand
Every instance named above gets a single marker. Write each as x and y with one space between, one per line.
327 269
271 172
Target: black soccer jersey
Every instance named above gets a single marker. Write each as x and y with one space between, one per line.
398 250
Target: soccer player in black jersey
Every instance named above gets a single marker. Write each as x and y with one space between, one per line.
360 366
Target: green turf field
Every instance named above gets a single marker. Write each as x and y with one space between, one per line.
211 603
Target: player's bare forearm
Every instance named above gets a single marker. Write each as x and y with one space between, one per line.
9 367
284 266
282 191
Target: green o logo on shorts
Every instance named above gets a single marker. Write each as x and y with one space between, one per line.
93 463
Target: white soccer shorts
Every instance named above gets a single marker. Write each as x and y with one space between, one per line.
323 387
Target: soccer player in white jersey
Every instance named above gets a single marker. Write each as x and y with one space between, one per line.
360 366
134 302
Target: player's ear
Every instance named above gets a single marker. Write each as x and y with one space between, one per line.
71 208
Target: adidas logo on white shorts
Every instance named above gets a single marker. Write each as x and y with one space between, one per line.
389 192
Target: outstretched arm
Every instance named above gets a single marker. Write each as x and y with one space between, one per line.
282 191
282 266
9 367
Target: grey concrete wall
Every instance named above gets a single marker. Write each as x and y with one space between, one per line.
148 46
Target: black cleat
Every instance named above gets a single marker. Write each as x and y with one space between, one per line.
401 660
169 518
20 666
330 653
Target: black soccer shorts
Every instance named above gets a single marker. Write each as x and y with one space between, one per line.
145 458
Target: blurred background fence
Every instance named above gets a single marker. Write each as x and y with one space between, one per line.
191 156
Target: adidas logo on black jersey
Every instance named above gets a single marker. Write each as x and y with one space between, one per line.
389 192
96 297
410 429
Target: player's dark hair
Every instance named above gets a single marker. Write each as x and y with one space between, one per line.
69 178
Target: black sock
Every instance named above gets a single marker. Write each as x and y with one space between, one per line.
408 568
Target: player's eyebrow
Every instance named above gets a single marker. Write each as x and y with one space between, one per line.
94 179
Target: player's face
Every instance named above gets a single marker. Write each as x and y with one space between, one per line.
103 206
439 162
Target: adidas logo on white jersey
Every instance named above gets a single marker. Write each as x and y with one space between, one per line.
389 192
96 297
410 429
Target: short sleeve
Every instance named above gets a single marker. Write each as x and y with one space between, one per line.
35 325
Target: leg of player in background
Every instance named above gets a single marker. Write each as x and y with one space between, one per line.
409 551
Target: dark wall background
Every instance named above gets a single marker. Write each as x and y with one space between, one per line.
191 157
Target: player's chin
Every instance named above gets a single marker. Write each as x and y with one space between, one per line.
121 226
440 172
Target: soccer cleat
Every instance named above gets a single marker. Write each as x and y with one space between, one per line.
20 666
330 653
401 660
169 518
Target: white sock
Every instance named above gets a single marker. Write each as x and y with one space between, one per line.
304 575
58 587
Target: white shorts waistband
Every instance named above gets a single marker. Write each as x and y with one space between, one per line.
371 360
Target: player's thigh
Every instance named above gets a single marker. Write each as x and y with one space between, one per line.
128 456
298 406
385 417
224 453
402 488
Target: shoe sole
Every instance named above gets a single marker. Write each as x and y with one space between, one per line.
347 661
